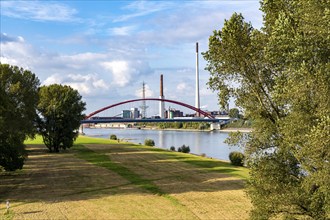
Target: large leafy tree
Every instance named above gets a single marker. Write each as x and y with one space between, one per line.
280 77
60 109
18 102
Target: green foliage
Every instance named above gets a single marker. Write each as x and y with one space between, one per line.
236 158
18 98
113 137
240 123
203 126
178 125
149 142
181 125
184 149
234 113
172 148
61 109
8 215
284 85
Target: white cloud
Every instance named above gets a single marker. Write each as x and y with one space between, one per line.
142 8
53 79
15 51
182 86
120 70
89 84
122 31
125 71
37 10
148 92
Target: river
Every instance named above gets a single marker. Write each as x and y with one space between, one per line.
210 143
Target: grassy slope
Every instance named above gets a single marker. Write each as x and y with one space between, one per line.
207 163
103 179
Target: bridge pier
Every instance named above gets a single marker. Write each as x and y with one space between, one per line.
215 126
81 129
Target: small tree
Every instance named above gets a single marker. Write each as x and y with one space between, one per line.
172 148
236 158
149 142
113 137
60 109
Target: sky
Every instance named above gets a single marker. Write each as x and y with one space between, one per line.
107 49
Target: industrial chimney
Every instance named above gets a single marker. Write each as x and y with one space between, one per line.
197 100
161 96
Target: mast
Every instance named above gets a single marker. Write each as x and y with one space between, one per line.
144 105
197 99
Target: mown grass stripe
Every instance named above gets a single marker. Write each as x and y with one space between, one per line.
103 160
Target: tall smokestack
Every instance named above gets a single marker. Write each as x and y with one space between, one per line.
161 96
197 100
161 86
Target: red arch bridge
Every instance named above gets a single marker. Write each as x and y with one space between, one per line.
206 116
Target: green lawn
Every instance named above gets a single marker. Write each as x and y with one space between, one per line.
206 163
103 179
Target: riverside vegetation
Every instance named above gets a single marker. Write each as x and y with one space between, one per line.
104 179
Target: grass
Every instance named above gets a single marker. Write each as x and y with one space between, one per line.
37 140
206 163
103 160
80 140
104 179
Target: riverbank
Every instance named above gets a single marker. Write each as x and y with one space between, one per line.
103 179
226 130
229 130
209 143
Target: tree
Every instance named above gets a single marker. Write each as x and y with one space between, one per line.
60 108
234 113
284 84
18 98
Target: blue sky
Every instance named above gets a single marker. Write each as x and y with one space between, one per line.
106 49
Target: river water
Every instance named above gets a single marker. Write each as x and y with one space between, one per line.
210 143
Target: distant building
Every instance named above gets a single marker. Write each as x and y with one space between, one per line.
172 113
127 114
135 113
217 113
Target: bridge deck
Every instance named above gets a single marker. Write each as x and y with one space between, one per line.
124 120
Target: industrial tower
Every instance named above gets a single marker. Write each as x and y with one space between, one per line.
161 96
197 99
144 105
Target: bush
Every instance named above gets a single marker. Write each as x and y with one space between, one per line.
184 149
149 142
172 148
113 137
236 158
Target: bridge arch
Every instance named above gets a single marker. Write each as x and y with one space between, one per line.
205 114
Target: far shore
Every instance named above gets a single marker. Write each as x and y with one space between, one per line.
224 130
243 130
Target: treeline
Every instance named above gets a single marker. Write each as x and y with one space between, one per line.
27 109
177 125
